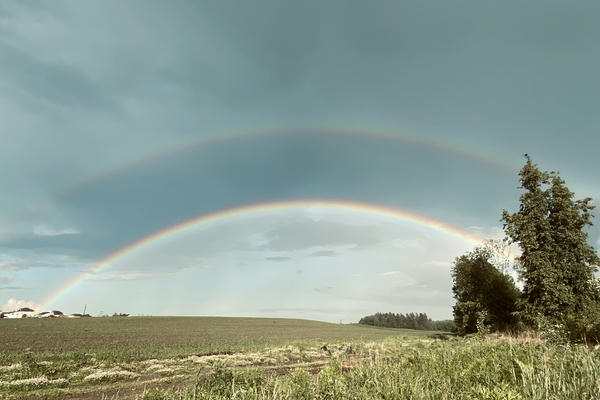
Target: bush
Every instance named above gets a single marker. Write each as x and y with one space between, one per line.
481 289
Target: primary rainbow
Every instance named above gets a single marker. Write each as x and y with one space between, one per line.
372 209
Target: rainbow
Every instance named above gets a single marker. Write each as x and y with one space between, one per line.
364 208
379 134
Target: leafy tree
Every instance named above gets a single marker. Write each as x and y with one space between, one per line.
557 264
483 293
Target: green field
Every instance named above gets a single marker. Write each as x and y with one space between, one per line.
53 357
155 358
147 337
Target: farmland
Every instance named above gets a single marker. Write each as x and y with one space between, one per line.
55 357
223 358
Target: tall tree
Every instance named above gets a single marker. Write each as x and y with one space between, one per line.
557 264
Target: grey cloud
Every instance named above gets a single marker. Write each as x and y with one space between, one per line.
6 283
304 235
323 289
22 265
31 258
323 253
300 309
278 258
132 275
401 298
45 230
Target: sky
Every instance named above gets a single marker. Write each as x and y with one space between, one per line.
119 120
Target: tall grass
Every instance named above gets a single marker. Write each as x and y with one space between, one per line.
471 369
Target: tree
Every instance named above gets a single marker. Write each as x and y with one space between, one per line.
483 293
557 264
409 321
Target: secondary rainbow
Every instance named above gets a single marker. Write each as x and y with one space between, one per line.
479 155
364 208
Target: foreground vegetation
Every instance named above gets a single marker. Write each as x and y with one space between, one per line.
413 368
246 358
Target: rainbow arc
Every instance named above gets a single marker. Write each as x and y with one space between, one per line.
364 208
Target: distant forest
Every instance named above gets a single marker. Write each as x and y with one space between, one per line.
408 321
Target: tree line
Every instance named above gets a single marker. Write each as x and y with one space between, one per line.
560 294
408 321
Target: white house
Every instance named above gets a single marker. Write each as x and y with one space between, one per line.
20 313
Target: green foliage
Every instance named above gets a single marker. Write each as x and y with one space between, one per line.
557 264
223 382
584 326
484 295
157 395
482 328
418 321
298 385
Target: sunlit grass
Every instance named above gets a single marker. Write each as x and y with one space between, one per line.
457 369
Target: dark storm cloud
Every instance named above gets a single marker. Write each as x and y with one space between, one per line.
54 83
478 74
252 65
88 85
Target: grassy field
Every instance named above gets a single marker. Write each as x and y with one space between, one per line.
88 356
247 358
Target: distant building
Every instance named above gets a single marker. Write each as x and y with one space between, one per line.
50 314
27 312
23 312
18 314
